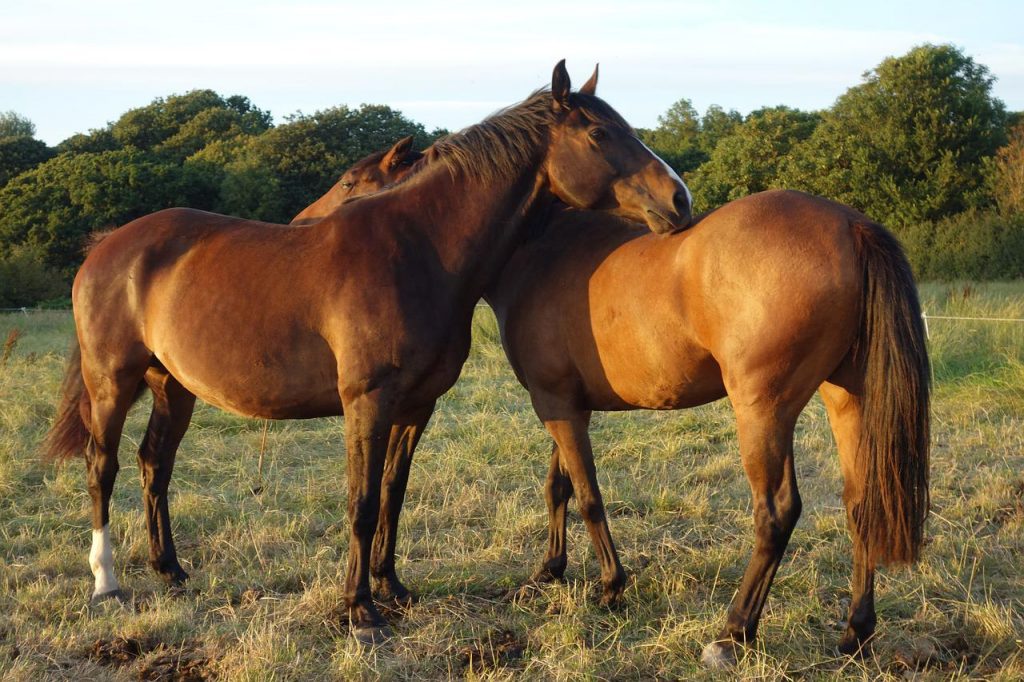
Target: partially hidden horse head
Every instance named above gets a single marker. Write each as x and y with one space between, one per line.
366 176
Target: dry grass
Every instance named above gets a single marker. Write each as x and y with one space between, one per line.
265 596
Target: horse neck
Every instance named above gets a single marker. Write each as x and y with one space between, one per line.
473 223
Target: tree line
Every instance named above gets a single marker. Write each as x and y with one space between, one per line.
920 145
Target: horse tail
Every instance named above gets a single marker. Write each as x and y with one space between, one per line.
69 433
895 426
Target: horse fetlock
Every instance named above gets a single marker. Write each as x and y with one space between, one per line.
613 589
390 588
101 561
552 570
171 571
720 654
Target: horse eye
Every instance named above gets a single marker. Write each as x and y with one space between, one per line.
597 134
347 184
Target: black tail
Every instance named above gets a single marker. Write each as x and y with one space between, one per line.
895 431
69 433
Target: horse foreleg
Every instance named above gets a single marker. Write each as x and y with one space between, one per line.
172 412
766 448
368 421
577 459
405 435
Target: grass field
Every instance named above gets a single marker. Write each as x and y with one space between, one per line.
265 596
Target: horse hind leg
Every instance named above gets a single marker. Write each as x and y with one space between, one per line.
558 491
110 397
766 449
576 456
845 414
172 412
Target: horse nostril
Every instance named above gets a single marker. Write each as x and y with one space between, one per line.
681 202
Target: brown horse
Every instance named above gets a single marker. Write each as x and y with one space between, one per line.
765 300
366 313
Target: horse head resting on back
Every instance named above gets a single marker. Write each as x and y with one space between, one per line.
366 313
366 176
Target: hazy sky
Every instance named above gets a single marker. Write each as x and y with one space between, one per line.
75 65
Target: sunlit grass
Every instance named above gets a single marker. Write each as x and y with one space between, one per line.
265 599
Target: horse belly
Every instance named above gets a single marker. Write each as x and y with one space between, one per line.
273 375
663 376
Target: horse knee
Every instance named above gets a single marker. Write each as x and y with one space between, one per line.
774 522
591 509
363 513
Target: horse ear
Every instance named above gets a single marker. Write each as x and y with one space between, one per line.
590 87
397 153
560 87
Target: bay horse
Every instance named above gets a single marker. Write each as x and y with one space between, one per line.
366 313
765 300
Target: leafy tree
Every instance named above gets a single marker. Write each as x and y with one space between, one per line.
1006 173
181 124
716 124
20 153
273 176
907 145
13 124
24 281
677 137
748 157
51 209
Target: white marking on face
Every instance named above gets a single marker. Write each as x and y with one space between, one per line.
101 561
671 172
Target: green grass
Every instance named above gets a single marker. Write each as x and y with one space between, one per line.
265 596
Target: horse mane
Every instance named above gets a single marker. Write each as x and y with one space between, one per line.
500 145
94 238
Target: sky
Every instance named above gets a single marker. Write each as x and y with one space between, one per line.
71 66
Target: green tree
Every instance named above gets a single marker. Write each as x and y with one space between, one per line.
677 137
907 145
19 154
24 281
1006 173
51 209
749 156
274 175
13 124
715 124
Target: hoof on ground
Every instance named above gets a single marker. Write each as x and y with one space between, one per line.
546 575
855 648
176 578
113 597
611 599
372 635
719 655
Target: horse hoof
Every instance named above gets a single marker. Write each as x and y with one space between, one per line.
546 575
175 578
719 655
611 599
116 596
372 635
855 648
